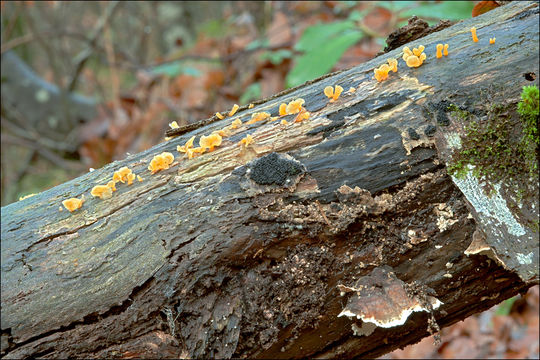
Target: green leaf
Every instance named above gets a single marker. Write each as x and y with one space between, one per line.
505 307
317 35
276 57
252 92
321 58
175 68
452 10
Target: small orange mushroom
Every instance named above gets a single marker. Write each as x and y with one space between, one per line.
210 141
406 53
235 124
260 116
333 93
219 116
439 50
121 174
492 40
112 185
101 191
234 110
283 109
302 115
473 32
246 141
381 73
159 162
73 203
393 64
130 178
295 106
193 151
186 146
417 51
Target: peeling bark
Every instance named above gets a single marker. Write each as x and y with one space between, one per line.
243 252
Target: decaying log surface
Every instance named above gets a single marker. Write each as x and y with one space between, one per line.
255 252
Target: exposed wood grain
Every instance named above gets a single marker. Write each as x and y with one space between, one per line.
239 252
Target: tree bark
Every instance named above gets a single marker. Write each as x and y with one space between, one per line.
254 252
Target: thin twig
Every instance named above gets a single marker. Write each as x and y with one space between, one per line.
47 154
85 54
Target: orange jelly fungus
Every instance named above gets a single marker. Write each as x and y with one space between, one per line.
174 125
439 50
188 145
333 93
73 203
235 124
284 122
260 116
219 116
210 141
295 106
445 51
101 191
352 90
381 73
302 115
222 132
251 106
192 151
393 64
248 140
283 109
131 177
473 32
160 162
234 110
492 40
112 185
122 174
140 179
414 58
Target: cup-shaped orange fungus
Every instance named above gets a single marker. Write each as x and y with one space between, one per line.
248 140
295 106
73 203
160 162
210 141
101 191
333 93
260 116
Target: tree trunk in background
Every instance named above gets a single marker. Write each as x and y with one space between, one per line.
38 104
255 252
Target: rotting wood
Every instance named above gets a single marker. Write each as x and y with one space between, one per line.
244 252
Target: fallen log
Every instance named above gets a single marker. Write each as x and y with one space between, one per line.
341 235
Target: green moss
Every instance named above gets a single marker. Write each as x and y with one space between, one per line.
457 112
502 146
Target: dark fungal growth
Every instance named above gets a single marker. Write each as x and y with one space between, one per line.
275 169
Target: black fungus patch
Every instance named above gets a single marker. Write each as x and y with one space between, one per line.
530 76
430 130
413 134
442 118
275 169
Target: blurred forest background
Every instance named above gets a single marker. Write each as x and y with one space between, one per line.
85 83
